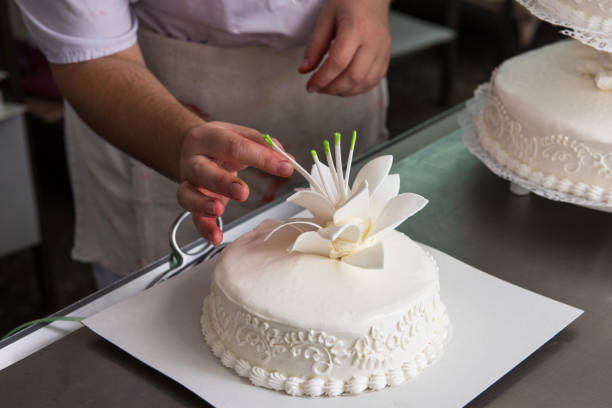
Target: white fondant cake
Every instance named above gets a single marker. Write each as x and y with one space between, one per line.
310 325
546 120
333 304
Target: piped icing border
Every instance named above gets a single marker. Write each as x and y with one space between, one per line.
321 385
501 163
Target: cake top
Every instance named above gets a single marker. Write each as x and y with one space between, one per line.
548 86
348 223
318 292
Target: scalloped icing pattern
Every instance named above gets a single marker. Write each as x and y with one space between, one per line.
585 22
379 376
523 152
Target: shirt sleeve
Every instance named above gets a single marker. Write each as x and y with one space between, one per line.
70 31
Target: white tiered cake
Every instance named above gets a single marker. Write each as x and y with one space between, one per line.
548 113
547 121
333 304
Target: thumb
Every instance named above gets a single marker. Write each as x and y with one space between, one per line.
319 41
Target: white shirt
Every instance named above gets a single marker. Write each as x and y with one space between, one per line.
78 30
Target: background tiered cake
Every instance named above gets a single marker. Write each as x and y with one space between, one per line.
545 120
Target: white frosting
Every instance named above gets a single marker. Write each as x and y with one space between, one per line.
548 122
313 326
260 276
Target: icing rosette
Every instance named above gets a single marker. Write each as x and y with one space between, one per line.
348 223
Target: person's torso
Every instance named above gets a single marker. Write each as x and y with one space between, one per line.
275 23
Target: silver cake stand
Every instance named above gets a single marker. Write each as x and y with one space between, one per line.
518 185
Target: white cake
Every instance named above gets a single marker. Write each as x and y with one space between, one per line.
334 304
546 120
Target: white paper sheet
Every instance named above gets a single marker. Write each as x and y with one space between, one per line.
496 325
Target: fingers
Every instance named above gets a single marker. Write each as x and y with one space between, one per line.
319 41
364 73
208 229
233 147
352 79
204 208
340 56
253 135
197 203
205 173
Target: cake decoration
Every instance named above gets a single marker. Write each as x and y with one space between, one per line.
348 223
599 67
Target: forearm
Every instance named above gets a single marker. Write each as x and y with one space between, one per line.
121 100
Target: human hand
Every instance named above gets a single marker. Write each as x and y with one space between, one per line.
211 155
359 53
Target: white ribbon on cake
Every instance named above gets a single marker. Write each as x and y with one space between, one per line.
349 223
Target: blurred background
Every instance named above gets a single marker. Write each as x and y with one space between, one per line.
442 50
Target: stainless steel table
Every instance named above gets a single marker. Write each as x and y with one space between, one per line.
555 249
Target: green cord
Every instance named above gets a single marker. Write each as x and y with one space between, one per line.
43 320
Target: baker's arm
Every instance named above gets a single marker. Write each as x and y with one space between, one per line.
121 100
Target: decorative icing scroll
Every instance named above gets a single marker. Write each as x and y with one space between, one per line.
485 142
326 351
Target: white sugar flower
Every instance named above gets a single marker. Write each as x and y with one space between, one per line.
348 223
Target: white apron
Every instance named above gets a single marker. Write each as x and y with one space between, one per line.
124 209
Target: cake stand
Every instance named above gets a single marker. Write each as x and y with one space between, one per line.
591 27
518 185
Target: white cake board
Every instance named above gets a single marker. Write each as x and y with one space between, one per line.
496 325
467 121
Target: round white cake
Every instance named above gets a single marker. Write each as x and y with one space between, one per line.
546 120
316 326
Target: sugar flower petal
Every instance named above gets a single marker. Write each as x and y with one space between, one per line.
374 172
312 243
396 211
304 223
370 258
349 232
318 205
356 206
388 189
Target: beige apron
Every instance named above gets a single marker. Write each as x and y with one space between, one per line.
124 209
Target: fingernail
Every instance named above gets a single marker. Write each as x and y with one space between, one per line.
310 88
285 167
236 191
212 237
210 208
304 63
